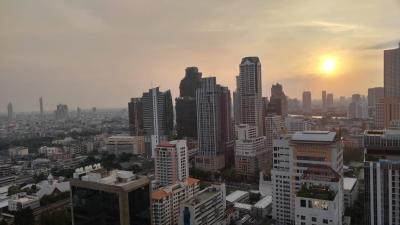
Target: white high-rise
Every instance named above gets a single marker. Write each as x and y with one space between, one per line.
171 162
307 179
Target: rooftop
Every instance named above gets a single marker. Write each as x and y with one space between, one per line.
316 192
349 182
314 136
236 195
204 195
264 202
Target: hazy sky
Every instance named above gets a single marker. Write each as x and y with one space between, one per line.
101 52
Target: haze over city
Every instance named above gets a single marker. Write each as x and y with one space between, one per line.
99 53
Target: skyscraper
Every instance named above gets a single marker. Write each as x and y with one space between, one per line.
273 128
171 162
278 103
382 177
307 102
61 112
329 101
391 102
186 124
135 111
213 113
157 112
375 95
249 93
10 112
323 101
307 179
41 107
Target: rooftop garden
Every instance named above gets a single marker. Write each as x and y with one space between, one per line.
316 192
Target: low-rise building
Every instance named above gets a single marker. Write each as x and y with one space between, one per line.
206 207
125 144
18 152
166 201
22 201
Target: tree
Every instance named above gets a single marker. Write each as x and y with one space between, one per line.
24 217
13 190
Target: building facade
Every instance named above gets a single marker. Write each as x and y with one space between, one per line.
135 110
171 162
304 162
307 102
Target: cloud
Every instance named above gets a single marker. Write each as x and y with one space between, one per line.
329 26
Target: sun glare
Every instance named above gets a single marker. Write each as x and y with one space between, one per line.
328 65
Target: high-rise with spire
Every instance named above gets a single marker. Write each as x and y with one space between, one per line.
41 107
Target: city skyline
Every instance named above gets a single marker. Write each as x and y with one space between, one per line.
104 47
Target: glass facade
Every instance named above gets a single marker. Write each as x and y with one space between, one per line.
93 207
139 206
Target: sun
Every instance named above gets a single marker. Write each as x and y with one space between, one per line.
328 65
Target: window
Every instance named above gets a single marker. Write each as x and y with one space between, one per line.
314 219
325 221
303 203
303 218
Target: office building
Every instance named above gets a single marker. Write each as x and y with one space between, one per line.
278 103
166 201
16 152
213 124
109 197
323 101
250 151
205 207
10 112
186 121
135 110
61 112
171 162
249 93
350 191
382 177
158 114
307 102
375 95
119 144
307 180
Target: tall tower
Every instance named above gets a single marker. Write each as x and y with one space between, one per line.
157 112
186 125
278 103
10 112
323 101
307 102
135 110
249 93
213 112
41 107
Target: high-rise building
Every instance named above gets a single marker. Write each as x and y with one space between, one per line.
296 123
307 179
355 110
392 72
329 101
61 112
323 101
307 102
205 207
10 112
278 103
171 162
382 177
186 121
375 95
109 197
273 128
135 110
166 201
213 124
391 102
249 93
41 107
250 151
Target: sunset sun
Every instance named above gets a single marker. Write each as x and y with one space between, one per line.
328 65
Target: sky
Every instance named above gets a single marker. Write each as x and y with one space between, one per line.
101 52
